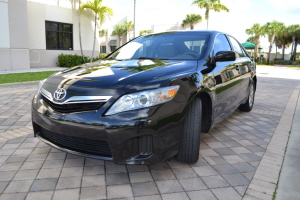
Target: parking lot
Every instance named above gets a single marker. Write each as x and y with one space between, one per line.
229 157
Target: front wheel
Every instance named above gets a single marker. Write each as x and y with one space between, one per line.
190 134
247 107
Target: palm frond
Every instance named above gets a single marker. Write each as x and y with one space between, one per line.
86 6
191 20
219 7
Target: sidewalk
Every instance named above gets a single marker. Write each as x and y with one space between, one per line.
241 158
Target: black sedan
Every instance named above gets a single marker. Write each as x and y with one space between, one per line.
149 100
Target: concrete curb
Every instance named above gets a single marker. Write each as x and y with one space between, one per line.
265 180
289 175
279 66
19 86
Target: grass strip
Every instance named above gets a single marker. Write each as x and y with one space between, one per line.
24 77
279 66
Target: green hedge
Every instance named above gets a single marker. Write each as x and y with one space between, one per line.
264 62
69 60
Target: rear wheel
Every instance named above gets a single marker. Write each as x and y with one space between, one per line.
190 134
247 107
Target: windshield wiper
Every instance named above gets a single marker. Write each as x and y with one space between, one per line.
153 58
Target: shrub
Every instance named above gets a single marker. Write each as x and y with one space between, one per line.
99 57
102 55
68 60
262 62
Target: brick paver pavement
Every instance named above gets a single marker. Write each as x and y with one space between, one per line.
229 157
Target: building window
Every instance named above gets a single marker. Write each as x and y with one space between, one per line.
102 49
112 48
59 36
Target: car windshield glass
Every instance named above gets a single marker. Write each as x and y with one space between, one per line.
168 46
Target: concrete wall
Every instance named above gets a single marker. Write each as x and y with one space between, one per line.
272 56
14 52
23 36
58 11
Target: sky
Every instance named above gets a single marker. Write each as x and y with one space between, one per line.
243 14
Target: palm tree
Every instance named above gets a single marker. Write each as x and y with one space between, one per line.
294 31
120 30
283 40
129 27
272 29
101 13
102 32
278 39
144 32
256 30
190 20
251 39
210 5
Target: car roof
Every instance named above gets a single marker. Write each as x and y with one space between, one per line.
214 32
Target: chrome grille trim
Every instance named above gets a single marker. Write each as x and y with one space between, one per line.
46 94
76 99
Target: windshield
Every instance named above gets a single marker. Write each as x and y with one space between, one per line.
164 46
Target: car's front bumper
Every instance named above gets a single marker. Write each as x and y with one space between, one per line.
135 137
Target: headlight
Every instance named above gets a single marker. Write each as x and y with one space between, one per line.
143 99
41 83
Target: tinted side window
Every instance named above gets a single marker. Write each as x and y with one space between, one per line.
221 44
237 48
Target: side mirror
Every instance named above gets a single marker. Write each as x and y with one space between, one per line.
225 56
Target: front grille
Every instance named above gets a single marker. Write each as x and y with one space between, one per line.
73 107
92 147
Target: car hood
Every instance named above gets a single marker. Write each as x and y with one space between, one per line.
126 75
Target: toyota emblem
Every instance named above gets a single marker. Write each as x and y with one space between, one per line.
59 94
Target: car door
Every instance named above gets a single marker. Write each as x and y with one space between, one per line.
242 64
226 77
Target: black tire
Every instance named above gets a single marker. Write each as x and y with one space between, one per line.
247 107
190 134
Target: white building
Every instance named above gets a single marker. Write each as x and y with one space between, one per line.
149 16
34 32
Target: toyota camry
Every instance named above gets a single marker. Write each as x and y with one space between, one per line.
149 100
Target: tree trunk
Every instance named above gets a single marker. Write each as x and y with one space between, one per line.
79 26
207 14
120 42
295 49
192 27
270 48
283 49
292 51
127 36
256 47
276 50
207 25
134 18
94 37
